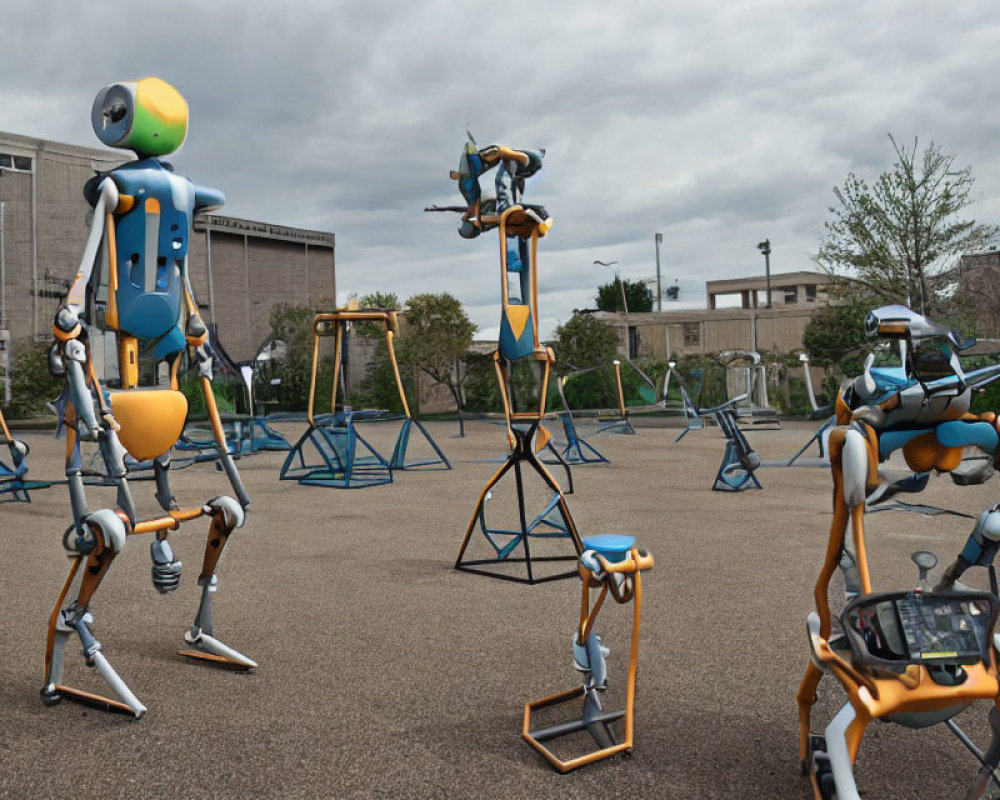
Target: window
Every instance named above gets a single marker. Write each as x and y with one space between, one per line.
791 294
692 334
633 341
811 293
15 163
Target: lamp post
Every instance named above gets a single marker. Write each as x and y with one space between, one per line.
659 292
618 277
765 248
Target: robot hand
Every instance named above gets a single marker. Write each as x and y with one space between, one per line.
67 321
166 571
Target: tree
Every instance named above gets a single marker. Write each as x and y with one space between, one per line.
835 339
897 238
381 301
637 294
584 342
438 332
288 379
835 331
31 383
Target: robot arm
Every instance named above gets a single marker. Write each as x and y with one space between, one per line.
207 199
69 352
66 324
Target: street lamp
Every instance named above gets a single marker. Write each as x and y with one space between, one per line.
659 294
618 277
765 248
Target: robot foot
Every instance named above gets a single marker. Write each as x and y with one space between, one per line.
123 702
208 648
55 692
817 767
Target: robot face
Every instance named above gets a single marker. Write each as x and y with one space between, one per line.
148 116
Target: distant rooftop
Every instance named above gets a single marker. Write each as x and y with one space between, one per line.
787 288
759 283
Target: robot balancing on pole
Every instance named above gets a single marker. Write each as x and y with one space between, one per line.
520 226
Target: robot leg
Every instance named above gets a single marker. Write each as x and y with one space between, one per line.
102 538
226 515
986 786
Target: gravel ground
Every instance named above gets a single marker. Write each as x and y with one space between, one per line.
386 673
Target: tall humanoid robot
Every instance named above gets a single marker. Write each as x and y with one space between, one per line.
137 249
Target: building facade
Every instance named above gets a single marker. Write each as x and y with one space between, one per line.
795 296
978 282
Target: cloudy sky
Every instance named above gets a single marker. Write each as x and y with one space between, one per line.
716 124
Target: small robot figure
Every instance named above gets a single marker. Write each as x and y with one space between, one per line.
614 565
137 249
483 214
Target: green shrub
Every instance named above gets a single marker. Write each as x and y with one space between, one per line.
31 383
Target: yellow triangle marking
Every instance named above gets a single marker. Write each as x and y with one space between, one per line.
517 317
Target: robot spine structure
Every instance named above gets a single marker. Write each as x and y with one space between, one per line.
520 226
615 565
137 248
914 658
333 438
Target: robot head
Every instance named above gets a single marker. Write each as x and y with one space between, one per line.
148 116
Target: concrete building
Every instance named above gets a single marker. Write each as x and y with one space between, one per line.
662 334
978 283
787 289
239 268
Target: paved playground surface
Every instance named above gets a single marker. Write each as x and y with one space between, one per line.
386 673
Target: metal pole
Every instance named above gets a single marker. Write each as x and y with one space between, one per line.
3 307
659 292
208 267
765 248
34 250
767 274
3 272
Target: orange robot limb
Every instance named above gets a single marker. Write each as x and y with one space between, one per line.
519 345
911 687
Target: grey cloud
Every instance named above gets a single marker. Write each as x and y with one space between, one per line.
713 124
